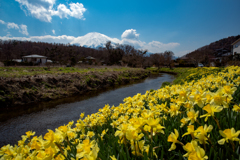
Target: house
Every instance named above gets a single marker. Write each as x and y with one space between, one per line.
35 59
90 60
236 49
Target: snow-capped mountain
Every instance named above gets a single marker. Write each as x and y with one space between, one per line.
94 40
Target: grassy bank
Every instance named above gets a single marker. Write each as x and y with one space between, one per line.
198 119
21 85
183 73
16 72
180 73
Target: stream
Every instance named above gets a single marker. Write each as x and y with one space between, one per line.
39 117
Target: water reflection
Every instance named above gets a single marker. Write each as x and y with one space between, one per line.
39 117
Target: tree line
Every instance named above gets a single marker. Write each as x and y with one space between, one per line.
62 54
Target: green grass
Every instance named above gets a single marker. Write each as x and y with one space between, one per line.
16 72
181 72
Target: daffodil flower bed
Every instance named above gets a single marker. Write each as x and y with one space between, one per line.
197 119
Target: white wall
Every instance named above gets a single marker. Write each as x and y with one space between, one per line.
236 48
44 60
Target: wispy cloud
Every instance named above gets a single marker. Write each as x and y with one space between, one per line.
53 31
21 28
2 22
12 25
44 9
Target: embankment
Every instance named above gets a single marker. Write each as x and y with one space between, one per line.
27 89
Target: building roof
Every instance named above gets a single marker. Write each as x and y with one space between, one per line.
89 57
34 56
236 41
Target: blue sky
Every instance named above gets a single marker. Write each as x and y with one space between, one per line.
157 25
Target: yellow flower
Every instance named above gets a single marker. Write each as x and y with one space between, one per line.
82 115
198 154
154 124
183 122
87 149
132 134
219 99
174 109
173 138
201 133
228 90
198 98
190 130
90 134
137 147
103 133
188 105
236 108
30 133
229 134
52 138
211 109
189 147
113 157
192 115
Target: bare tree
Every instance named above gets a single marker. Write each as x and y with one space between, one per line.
157 59
168 56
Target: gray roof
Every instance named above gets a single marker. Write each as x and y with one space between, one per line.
34 56
89 57
236 41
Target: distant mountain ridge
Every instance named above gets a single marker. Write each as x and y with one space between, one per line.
94 40
224 43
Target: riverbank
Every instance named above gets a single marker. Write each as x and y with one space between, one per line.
154 125
26 85
180 72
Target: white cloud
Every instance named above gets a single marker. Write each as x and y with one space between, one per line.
47 38
23 29
8 34
44 9
1 21
12 25
53 31
130 34
154 46
131 37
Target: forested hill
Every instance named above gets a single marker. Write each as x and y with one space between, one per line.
224 43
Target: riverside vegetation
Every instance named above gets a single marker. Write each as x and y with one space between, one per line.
198 118
21 85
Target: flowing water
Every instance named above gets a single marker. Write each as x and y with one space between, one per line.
41 116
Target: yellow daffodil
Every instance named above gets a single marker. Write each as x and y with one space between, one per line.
228 134
198 98
174 109
192 116
236 108
113 157
211 109
190 147
190 130
173 137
